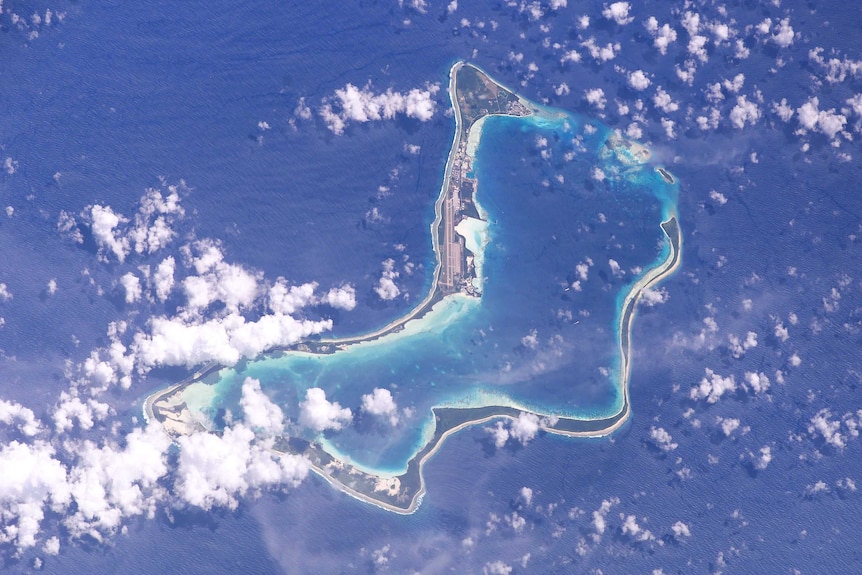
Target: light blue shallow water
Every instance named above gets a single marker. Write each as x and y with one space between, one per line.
541 337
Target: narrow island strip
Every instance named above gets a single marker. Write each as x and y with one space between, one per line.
475 97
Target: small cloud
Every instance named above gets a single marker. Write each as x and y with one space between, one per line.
638 80
386 288
712 386
352 104
717 197
601 53
680 530
663 36
652 297
380 402
618 12
10 165
132 286
745 112
662 439
259 412
596 98
319 414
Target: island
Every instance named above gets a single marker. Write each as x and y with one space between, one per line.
475 97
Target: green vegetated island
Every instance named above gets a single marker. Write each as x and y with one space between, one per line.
475 96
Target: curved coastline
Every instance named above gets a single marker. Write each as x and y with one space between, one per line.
403 493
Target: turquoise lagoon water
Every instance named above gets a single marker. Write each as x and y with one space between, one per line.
536 338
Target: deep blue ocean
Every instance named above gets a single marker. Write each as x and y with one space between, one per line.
111 99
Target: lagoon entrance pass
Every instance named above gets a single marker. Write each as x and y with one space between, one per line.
550 228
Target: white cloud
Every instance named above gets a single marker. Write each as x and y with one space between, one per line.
712 386
531 340
855 104
71 408
570 56
214 470
757 382
23 418
618 12
500 434
288 299
601 53
259 412
111 482
697 47
669 128
319 414
824 426
664 102
52 546
352 104
837 70
380 402
745 112
218 281
631 528
735 85
638 80
156 213
103 224
784 33
226 340
132 286
386 288
343 297
739 347
663 36
525 428
662 439
762 458
717 197
163 279
680 530
722 32
10 165
583 270
526 495
652 297
827 122
691 22
596 97
420 6
150 232
600 515
496 568
32 480
728 425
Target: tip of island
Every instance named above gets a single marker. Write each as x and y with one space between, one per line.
475 97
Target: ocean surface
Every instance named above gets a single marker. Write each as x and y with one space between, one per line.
105 101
